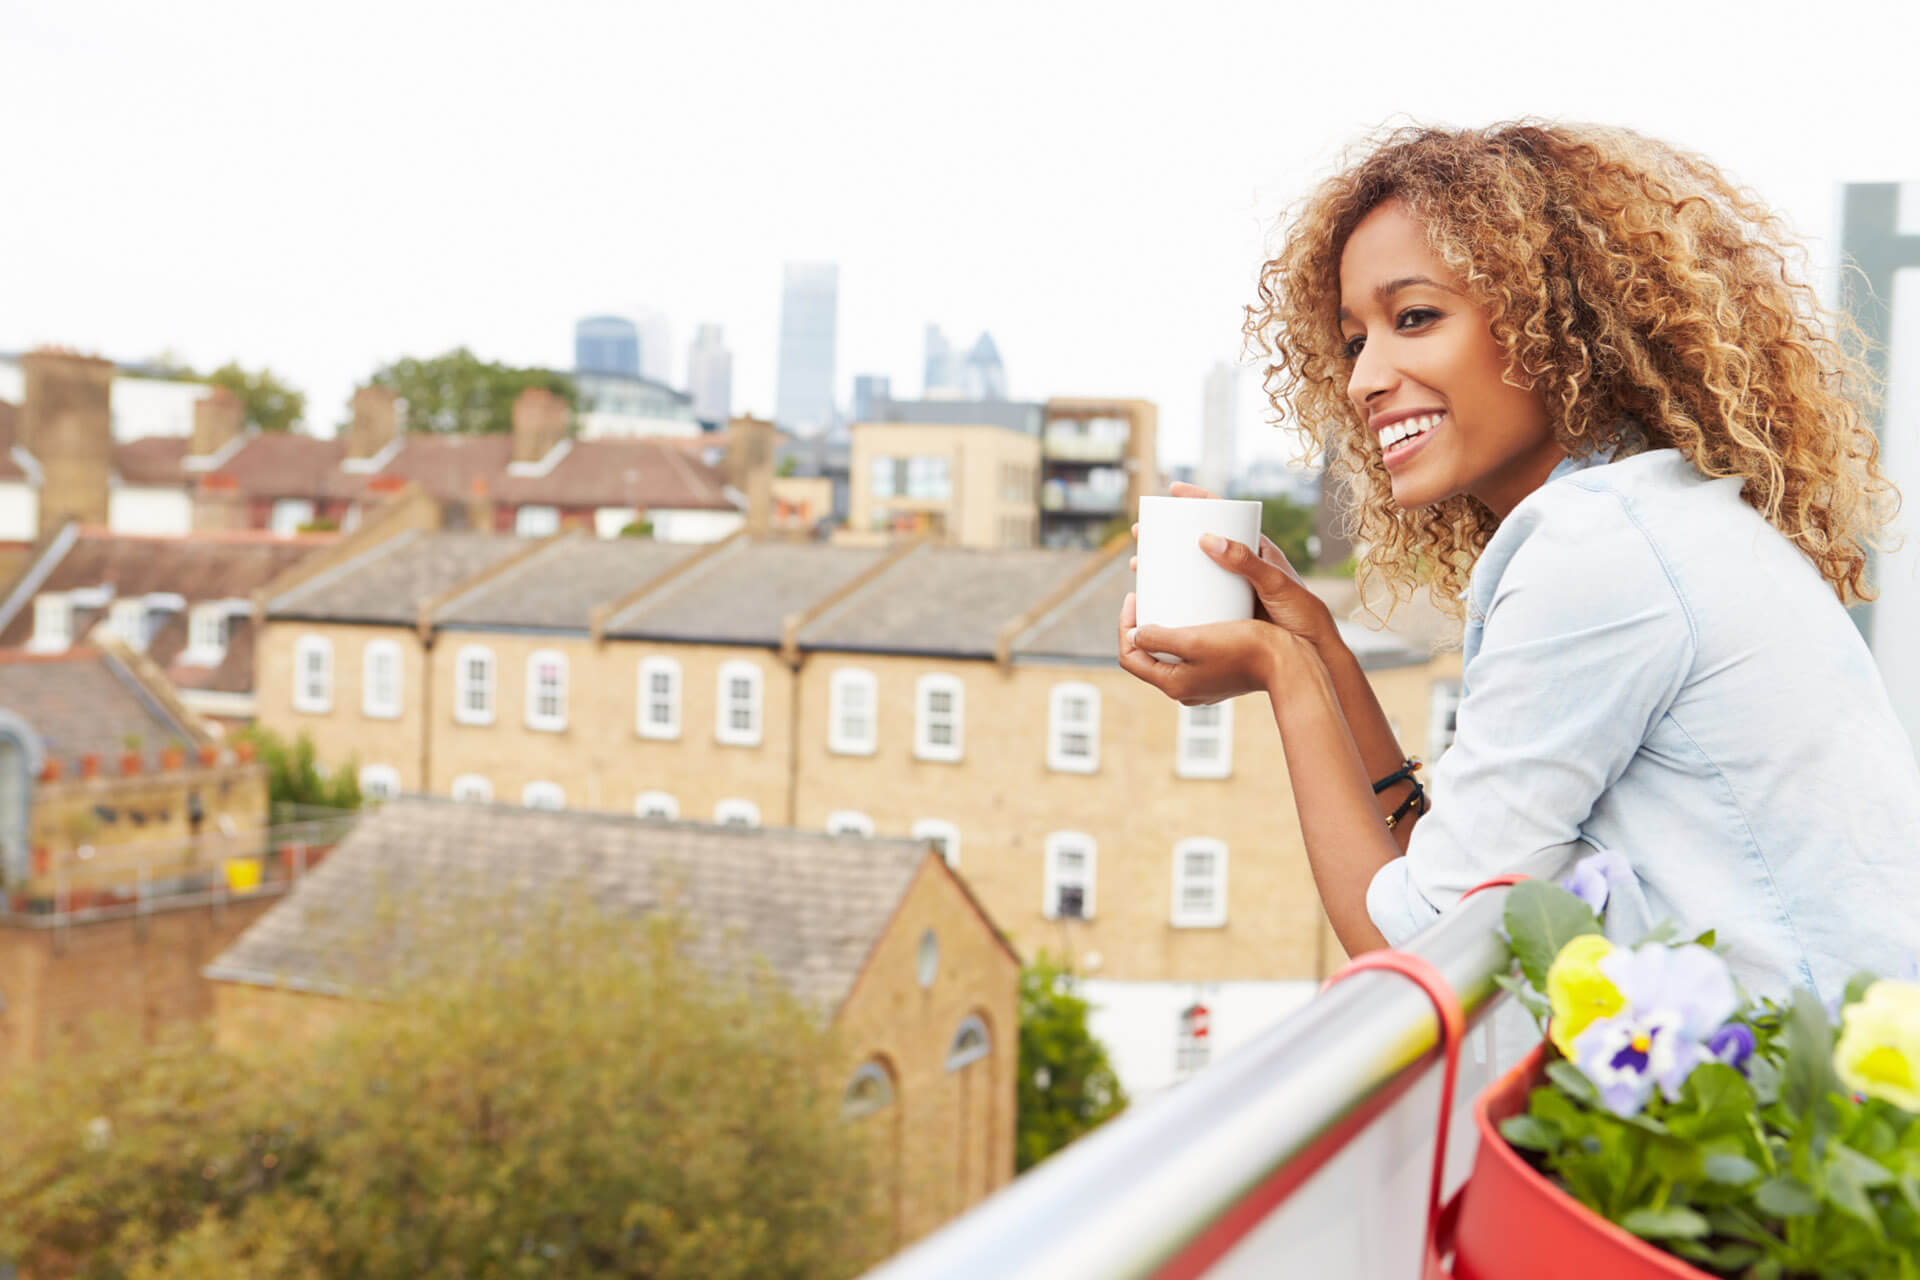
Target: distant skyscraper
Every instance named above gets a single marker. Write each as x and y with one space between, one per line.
1219 419
983 377
606 344
656 345
710 375
871 392
939 377
809 323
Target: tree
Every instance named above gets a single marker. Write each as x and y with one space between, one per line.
1289 525
1066 1085
569 1100
294 776
460 392
271 404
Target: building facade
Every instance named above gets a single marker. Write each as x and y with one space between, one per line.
606 344
710 375
809 338
1098 459
1219 428
966 485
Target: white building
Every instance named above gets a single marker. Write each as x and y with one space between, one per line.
1219 425
710 375
143 405
613 406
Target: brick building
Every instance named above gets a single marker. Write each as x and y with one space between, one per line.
879 936
963 696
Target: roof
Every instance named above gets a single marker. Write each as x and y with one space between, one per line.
389 583
199 568
558 587
943 600
83 702
1016 415
154 461
1085 627
812 905
743 593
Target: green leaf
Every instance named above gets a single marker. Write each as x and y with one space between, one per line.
1733 1171
1530 1134
1532 1001
1857 987
1573 1082
1707 940
1763 1077
1810 1076
1847 1185
1862 1168
1715 1100
1786 1197
1674 1222
1541 918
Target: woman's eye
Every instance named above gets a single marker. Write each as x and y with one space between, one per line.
1414 317
1351 347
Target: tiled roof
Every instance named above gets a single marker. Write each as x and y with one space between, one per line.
196 567
645 474
287 464
1085 626
743 592
153 462
943 600
810 904
391 582
82 702
560 586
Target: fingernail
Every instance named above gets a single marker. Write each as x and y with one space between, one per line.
1131 633
1213 542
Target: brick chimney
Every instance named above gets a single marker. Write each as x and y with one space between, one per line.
219 418
748 467
375 423
66 423
540 420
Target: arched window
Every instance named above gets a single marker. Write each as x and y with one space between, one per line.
380 680
543 795
849 822
737 813
473 685
870 1090
473 788
547 690
656 804
379 782
969 1044
945 837
1073 728
853 705
659 710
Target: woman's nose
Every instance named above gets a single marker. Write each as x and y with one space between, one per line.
1372 377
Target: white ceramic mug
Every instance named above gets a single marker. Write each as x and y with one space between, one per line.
1177 584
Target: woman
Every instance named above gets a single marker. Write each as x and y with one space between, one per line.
1574 389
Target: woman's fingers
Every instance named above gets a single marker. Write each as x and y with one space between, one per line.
1235 556
1181 489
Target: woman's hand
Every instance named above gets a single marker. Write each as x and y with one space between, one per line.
1280 597
1219 661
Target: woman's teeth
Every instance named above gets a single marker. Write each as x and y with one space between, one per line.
1407 428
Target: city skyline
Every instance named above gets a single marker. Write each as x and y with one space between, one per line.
1093 293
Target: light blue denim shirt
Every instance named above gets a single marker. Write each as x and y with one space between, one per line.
1652 668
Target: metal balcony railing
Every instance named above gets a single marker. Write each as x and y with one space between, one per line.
1306 1152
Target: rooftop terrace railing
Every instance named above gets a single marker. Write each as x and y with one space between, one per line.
1306 1152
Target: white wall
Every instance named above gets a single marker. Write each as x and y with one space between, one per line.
1139 1022
694 526
19 510
599 425
141 406
159 511
1896 616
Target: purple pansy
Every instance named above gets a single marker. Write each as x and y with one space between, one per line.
1594 877
1677 999
1732 1044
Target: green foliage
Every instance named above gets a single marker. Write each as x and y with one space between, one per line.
570 1100
637 529
1289 525
294 777
1066 1085
785 467
272 405
460 392
1773 1170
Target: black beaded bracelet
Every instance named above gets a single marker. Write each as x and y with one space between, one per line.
1403 774
1418 796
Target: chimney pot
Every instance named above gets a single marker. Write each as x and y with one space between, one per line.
375 424
218 419
90 765
66 423
540 419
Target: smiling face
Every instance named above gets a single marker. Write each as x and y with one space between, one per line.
1428 377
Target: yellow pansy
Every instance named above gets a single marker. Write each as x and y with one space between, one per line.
1578 991
1879 1049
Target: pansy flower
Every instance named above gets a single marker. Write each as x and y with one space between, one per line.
1594 878
1879 1050
1675 999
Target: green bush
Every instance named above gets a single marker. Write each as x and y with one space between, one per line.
572 1101
1066 1085
294 777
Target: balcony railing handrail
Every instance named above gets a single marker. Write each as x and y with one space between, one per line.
1132 1196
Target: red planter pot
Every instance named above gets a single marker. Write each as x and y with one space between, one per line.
1513 1223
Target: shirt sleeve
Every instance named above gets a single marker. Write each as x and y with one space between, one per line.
1585 645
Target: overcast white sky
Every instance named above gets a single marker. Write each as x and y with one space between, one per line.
322 188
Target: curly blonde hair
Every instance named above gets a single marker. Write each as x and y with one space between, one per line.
1653 302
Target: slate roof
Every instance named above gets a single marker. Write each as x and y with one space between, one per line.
83 702
743 592
1085 627
559 587
812 905
943 600
197 567
389 583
